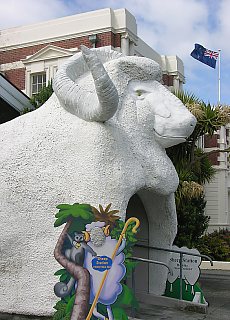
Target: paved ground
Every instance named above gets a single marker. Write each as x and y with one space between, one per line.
216 288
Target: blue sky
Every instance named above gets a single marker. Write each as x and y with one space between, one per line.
171 27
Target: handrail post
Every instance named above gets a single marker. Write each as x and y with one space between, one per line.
133 313
181 284
181 253
133 280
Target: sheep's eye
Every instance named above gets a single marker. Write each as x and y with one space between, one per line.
139 93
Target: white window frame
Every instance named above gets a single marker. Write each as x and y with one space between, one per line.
47 61
37 84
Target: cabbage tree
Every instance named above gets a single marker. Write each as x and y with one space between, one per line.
194 168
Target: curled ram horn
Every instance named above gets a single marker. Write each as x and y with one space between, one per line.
97 103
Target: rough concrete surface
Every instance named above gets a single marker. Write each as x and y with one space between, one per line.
51 156
215 285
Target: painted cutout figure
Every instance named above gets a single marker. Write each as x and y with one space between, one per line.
75 254
191 290
93 262
105 246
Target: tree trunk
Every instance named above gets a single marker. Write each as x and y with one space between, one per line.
81 304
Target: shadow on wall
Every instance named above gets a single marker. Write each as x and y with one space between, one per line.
136 209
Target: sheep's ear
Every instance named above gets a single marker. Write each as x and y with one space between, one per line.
106 230
86 236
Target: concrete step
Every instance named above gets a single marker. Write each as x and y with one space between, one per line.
151 312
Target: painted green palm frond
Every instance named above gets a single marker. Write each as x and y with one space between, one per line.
60 272
70 305
120 314
60 308
76 210
64 206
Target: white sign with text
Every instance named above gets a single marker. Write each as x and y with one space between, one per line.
190 266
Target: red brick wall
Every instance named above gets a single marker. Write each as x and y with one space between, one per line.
211 141
104 39
116 40
108 39
17 77
168 80
213 157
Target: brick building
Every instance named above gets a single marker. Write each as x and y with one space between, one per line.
30 56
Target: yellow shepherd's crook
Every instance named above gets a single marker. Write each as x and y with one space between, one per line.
134 230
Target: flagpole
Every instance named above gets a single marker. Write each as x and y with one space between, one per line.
222 131
219 92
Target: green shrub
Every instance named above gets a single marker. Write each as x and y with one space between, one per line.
192 222
40 98
216 245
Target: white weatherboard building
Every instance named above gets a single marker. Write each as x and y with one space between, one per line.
218 190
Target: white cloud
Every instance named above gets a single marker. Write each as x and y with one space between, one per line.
20 12
170 26
222 37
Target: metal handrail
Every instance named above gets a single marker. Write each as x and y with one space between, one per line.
152 261
181 253
148 261
176 251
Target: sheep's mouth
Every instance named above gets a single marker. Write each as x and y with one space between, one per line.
182 138
168 141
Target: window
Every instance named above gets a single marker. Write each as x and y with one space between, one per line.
38 81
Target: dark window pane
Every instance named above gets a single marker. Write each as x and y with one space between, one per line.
39 78
34 88
38 81
34 79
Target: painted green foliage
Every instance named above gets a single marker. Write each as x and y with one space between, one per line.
81 214
78 216
173 291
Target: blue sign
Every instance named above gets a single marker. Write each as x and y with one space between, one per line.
102 263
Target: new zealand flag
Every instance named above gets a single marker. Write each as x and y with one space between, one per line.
204 55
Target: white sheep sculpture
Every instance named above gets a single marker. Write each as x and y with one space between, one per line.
100 138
